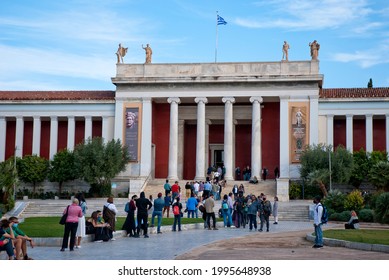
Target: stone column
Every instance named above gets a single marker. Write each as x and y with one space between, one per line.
369 133
71 132
180 149
3 128
228 137
256 134
145 160
19 136
387 133
200 138
349 133
283 181
36 136
173 138
330 130
88 127
105 132
313 120
53 136
119 118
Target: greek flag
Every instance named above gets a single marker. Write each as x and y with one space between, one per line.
220 20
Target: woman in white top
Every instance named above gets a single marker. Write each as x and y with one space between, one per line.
81 221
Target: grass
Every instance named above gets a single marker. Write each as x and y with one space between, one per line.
370 236
50 227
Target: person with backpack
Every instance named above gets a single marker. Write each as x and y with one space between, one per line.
253 208
226 211
177 207
265 212
317 222
143 205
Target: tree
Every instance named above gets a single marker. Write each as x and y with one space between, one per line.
360 168
379 175
315 165
99 163
8 178
370 83
32 169
62 168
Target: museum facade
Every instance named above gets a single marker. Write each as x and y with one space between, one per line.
179 119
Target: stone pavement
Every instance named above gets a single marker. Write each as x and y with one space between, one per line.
225 243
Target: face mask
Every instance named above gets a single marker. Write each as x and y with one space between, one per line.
16 225
99 219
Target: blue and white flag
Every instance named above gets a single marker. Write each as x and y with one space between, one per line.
220 20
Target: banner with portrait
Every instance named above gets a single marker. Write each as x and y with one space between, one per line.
131 132
299 129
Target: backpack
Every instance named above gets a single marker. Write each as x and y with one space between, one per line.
225 205
176 210
324 216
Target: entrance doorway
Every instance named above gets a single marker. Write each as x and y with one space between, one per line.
218 157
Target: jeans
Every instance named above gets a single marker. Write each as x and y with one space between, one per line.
253 221
177 220
264 218
70 228
209 216
159 216
191 213
318 235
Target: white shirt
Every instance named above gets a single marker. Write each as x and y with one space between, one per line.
317 214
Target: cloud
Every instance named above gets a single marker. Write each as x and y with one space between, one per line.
366 58
307 15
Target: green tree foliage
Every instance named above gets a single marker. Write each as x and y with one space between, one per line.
315 165
354 201
335 201
8 178
379 175
98 163
382 208
62 168
32 169
361 167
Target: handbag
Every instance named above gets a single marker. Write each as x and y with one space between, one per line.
62 221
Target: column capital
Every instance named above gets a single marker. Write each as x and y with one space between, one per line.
387 115
201 100
228 99
369 116
258 99
176 100
284 97
146 99
330 116
53 118
349 115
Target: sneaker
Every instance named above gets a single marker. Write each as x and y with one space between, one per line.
232 226
317 246
62 249
78 247
113 239
275 223
98 241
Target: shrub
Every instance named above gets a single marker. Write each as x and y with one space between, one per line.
335 201
294 190
382 208
366 215
354 201
373 199
343 216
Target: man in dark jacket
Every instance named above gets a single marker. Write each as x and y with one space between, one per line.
143 205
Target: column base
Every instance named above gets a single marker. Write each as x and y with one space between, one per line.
282 189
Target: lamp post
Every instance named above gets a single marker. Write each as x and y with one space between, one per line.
329 163
16 147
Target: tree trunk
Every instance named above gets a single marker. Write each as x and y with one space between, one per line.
323 189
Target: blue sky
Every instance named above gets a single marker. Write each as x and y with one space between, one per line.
71 44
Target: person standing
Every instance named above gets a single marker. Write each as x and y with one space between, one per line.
159 204
226 211
191 205
275 210
143 205
253 207
209 204
168 203
81 221
265 212
167 187
109 215
177 207
74 212
176 190
129 223
317 214
276 173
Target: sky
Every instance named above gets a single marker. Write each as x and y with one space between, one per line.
71 44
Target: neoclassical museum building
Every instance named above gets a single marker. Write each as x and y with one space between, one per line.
179 119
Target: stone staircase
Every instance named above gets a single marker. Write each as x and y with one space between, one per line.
287 211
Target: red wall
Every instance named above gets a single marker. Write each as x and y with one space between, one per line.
160 138
27 138
190 133
359 134
62 135
379 137
10 139
271 136
97 128
340 132
45 139
79 132
242 147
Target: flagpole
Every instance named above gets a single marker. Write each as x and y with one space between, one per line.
216 38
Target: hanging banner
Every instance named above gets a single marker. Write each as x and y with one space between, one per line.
299 130
131 119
